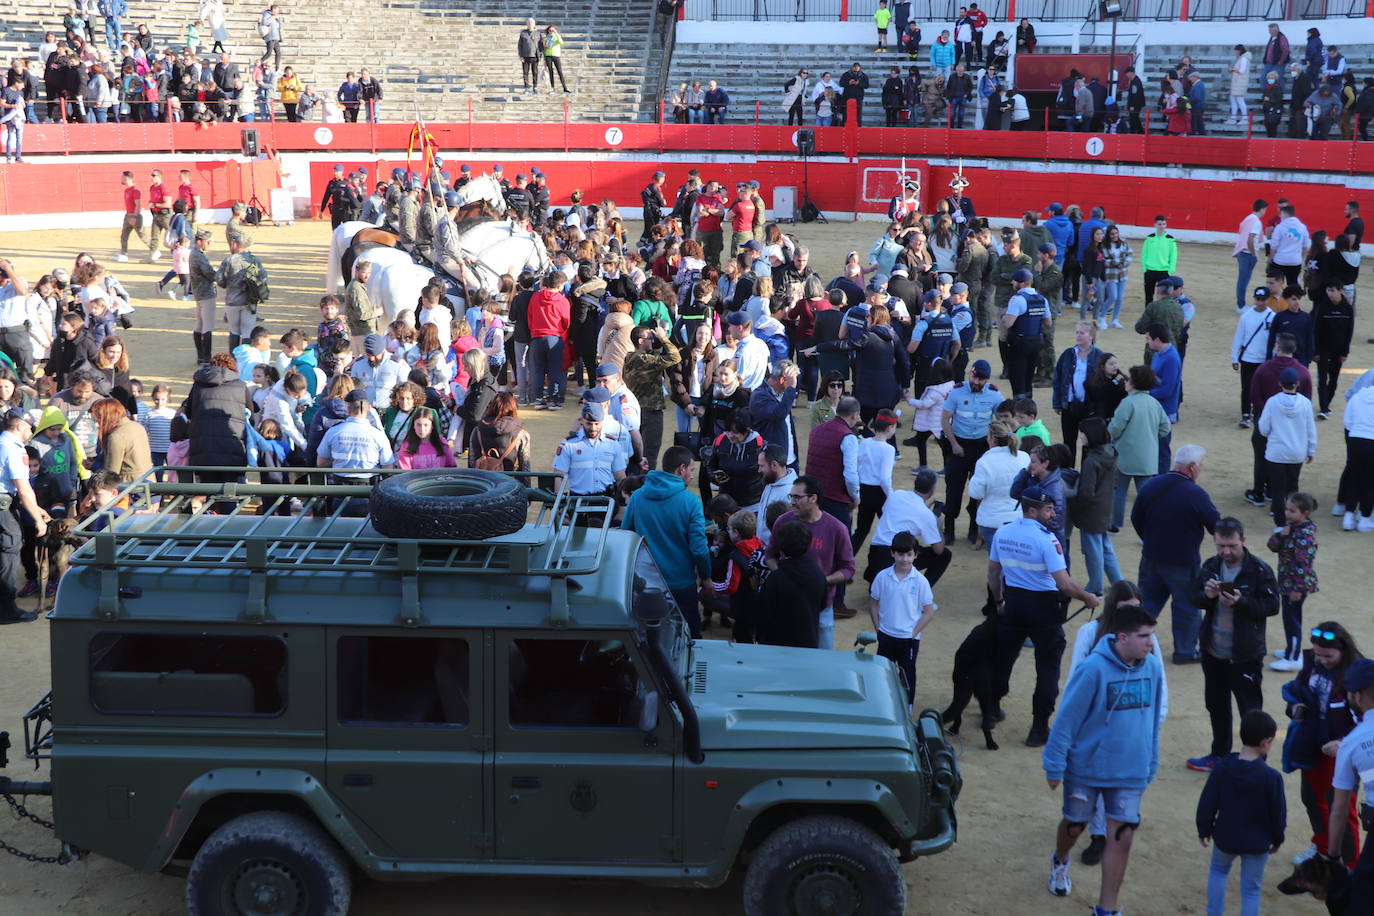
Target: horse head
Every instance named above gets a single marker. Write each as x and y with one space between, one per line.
486 189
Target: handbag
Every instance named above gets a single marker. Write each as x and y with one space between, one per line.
690 440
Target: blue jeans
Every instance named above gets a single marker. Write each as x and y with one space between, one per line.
1251 881
1166 450
826 638
956 112
1113 294
14 138
546 368
114 33
1123 486
688 604
1158 583
824 120
1245 266
101 115
696 116
1099 556
716 115
1292 625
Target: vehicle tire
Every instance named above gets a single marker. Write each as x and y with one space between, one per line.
449 503
826 866
268 864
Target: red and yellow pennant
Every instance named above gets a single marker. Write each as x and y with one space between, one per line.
421 138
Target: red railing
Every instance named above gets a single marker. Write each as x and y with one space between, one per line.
850 141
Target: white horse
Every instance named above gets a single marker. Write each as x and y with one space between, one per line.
494 248
484 187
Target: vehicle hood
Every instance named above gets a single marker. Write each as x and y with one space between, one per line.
749 696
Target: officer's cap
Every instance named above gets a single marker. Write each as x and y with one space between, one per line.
1360 675
338 167
931 295
606 370
374 344
465 168
1034 496
594 412
598 395
1046 248
1023 276
945 279
982 369
958 288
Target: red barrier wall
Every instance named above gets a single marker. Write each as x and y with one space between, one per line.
56 187
1340 157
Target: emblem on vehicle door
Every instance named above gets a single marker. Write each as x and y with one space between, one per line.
583 797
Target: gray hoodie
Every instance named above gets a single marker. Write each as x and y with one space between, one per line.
1289 423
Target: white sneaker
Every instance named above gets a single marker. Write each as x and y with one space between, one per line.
1309 853
1102 324
1338 510
1060 885
1280 653
1117 324
1286 664
169 292
121 258
1365 524
154 256
1349 522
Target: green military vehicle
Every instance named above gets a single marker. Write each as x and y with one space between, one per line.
278 696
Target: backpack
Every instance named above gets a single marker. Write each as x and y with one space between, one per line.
255 288
264 24
491 460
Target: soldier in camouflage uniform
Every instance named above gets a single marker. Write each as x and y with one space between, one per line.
427 224
1009 262
1049 282
408 218
397 190
971 267
644 374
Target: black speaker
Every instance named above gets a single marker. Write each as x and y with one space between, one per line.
250 142
806 141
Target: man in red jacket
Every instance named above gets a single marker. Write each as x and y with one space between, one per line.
549 316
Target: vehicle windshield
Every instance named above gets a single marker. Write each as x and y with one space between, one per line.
672 634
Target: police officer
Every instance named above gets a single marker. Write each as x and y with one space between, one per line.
17 497
1026 576
1023 322
652 199
339 198
931 340
964 420
1355 764
965 329
464 176
593 462
539 193
611 427
518 198
499 174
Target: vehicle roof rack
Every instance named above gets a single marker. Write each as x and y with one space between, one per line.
302 527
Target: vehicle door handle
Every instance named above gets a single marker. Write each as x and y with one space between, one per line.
526 782
357 780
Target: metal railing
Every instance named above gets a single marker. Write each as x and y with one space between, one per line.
1035 10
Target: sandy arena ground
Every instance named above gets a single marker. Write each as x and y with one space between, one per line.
1006 814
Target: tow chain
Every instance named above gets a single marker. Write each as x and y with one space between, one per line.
61 858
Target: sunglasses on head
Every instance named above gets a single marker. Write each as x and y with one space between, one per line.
1327 635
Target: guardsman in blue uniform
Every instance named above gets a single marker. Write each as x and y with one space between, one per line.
592 461
17 497
1024 324
1355 765
965 328
966 416
932 337
1026 576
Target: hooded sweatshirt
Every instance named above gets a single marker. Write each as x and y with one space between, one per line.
661 511
1106 733
1292 429
1358 418
549 314
63 458
1242 807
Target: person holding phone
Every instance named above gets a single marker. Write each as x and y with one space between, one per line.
1237 592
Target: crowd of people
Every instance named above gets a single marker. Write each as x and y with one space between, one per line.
124 73
717 315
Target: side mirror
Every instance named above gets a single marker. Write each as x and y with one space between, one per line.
648 712
863 641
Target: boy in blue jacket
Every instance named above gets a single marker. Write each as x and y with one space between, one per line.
1105 742
1243 811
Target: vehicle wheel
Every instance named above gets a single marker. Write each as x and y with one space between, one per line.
824 866
451 503
268 864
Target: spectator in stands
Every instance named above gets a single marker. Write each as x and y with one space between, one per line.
1276 53
1197 102
369 94
527 48
909 38
942 55
553 56
1321 110
1304 84
1135 99
12 117
212 14
1315 55
1272 103
347 96
113 11
1333 68
1025 37
793 91
289 88
717 103
854 82
958 90
1240 83
269 28
1364 107
894 96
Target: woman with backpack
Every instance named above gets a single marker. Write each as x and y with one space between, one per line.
499 441
1090 507
588 296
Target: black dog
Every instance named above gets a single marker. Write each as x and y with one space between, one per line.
1326 879
975 676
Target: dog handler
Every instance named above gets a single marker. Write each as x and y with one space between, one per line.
1355 764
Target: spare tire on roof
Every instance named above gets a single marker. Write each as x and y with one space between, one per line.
448 503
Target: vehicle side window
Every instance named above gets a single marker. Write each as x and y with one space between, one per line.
579 683
193 675
402 680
